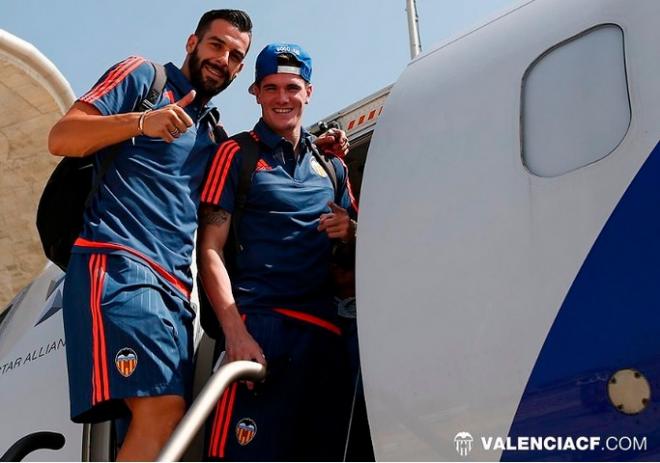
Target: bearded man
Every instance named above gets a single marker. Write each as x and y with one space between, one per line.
127 312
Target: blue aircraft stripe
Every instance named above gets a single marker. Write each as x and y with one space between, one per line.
610 320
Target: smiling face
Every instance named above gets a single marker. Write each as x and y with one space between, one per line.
282 98
216 58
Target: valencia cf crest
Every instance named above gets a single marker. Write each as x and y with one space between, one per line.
318 168
246 429
126 361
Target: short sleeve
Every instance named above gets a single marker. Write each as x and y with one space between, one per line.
222 177
121 86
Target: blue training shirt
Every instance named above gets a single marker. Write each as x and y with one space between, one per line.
284 261
147 204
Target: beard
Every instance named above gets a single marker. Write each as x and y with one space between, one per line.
207 88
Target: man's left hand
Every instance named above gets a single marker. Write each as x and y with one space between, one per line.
337 224
333 142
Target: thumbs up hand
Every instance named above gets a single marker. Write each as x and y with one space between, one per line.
337 223
170 121
186 100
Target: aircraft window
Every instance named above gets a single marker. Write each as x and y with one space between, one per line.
575 104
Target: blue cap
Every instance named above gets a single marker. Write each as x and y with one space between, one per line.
267 61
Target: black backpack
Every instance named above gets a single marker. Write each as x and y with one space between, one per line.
72 186
249 149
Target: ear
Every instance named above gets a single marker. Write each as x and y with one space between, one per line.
191 43
309 89
254 90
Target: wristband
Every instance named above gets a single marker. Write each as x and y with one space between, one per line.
141 121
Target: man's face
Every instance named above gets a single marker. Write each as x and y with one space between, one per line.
216 58
282 98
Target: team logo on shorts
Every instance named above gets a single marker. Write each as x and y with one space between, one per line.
318 168
246 429
126 361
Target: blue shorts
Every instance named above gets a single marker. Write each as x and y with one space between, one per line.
127 335
300 412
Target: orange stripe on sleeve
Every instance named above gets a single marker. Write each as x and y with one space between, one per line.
117 77
111 82
214 171
115 71
225 170
111 75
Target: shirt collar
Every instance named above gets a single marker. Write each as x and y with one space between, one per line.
272 140
183 86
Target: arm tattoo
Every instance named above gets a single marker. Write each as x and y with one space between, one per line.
210 215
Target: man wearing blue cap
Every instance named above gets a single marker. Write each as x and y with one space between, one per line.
127 313
278 306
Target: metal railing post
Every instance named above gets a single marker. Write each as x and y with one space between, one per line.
413 29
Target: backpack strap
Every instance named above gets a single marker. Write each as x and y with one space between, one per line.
327 164
249 157
219 132
249 149
155 90
148 103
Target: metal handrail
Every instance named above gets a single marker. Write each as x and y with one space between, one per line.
35 441
194 419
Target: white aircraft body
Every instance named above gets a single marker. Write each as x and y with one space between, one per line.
508 254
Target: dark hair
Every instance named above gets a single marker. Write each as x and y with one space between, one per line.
287 59
238 18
